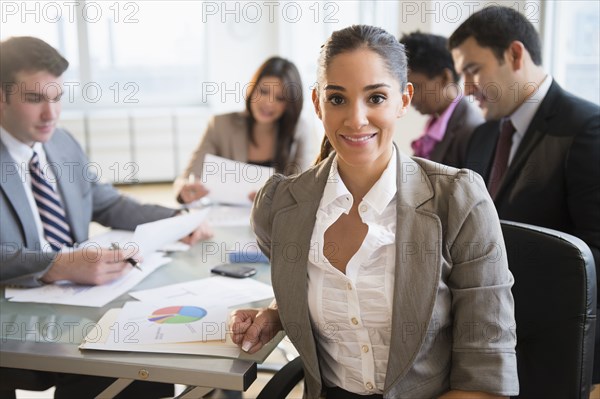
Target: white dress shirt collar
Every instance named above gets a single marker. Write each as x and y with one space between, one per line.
523 116
378 197
20 151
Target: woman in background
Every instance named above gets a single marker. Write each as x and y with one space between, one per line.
269 132
389 272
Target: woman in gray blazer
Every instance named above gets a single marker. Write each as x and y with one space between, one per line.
390 272
268 133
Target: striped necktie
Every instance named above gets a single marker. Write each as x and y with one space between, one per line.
52 213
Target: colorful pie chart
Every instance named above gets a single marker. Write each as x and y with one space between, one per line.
177 315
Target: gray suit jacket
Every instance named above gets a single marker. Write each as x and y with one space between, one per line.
453 319
226 136
452 149
84 198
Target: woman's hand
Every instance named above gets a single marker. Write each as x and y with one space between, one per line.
253 328
191 192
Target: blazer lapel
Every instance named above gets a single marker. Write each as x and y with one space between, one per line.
292 230
69 187
535 132
240 141
417 273
482 147
440 149
14 191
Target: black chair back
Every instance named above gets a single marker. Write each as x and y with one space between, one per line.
555 310
282 383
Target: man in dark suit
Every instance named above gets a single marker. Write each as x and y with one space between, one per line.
453 118
545 168
48 197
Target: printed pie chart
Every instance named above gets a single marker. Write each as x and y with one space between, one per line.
177 315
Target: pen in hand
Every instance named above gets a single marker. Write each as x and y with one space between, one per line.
131 261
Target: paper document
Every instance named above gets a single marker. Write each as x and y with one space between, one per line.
67 293
103 338
230 182
212 292
169 322
148 238
155 235
221 215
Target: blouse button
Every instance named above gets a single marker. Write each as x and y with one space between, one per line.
363 208
369 386
354 321
350 286
365 348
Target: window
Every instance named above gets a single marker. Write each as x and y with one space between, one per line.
572 43
121 53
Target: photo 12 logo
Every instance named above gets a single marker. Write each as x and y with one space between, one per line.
269 11
456 11
74 92
69 11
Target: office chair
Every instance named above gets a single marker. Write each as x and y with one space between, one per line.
555 310
282 383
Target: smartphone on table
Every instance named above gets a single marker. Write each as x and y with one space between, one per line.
236 270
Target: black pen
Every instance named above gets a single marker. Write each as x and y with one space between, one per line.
131 261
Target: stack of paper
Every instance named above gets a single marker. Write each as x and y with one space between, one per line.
231 182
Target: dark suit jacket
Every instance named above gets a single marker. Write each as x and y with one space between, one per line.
84 198
453 147
554 179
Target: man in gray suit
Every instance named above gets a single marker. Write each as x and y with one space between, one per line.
49 195
452 117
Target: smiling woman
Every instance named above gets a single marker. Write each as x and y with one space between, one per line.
268 133
380 241
359 107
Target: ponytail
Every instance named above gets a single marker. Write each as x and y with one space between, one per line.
326 149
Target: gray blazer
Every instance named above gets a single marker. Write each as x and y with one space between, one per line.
453 314
226 136
84 198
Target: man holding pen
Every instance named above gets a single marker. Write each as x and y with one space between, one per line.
49 196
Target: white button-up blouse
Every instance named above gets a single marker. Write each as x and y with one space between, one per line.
352 313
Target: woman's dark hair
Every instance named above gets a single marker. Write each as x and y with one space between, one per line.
428 54
497 27
287 72
357 37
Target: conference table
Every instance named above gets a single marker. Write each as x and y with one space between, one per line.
46 337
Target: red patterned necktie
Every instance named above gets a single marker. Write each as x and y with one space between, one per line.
501 157
52 213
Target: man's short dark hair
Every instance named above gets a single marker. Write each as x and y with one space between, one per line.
496 27
428 54
30 54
